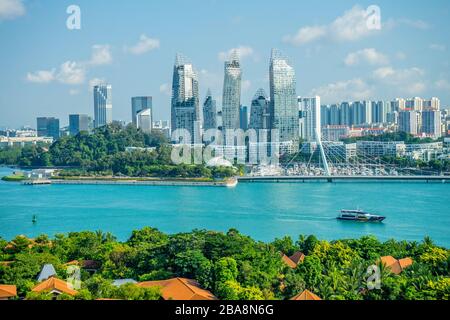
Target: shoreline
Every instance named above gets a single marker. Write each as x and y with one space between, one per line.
157 182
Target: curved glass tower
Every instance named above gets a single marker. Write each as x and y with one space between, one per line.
283 99
231 92
185 111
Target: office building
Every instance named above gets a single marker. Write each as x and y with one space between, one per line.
48 127
210 112
102 105
311 110
283 98
78 123
243 117
139 104
260 111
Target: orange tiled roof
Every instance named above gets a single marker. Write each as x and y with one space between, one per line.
7 291
180 289
54 284
405 263
297 257
288 261
306 295
396 266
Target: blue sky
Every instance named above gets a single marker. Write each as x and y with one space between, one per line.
47 69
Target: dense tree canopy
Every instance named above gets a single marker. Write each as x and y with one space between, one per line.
231 265
104 153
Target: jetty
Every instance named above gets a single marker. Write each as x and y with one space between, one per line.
37 182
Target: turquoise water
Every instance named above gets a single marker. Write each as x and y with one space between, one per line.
261 210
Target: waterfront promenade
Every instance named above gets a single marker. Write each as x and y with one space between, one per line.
443 179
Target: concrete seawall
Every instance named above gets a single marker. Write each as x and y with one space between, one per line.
230 183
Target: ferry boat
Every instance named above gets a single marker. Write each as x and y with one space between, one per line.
359 215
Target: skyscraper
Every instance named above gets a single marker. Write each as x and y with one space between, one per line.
102 105
185 111
259 112
210 112
346 114
243 117
431 123
408 122
311 110
142 113
283 98
379 111
48 127
78 123
231 92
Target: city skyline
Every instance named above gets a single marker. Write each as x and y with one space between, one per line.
137 60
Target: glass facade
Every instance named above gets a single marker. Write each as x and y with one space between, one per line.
78 123
48 127
259 112
232 93
102 105
185 110
283 99
210 112
139 104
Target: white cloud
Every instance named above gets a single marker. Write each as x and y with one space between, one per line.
70 72
144 45
369 55
165 89
349 90
438 47
73 72
11 9
306 35
101 55
42 76
351 26
243 52
408 80
74 92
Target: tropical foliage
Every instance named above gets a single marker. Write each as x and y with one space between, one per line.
104 153
231 265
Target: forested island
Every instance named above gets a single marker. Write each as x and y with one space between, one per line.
104 153
231 266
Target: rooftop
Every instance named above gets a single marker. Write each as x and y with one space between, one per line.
180 289
306 295
7 291
55 285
